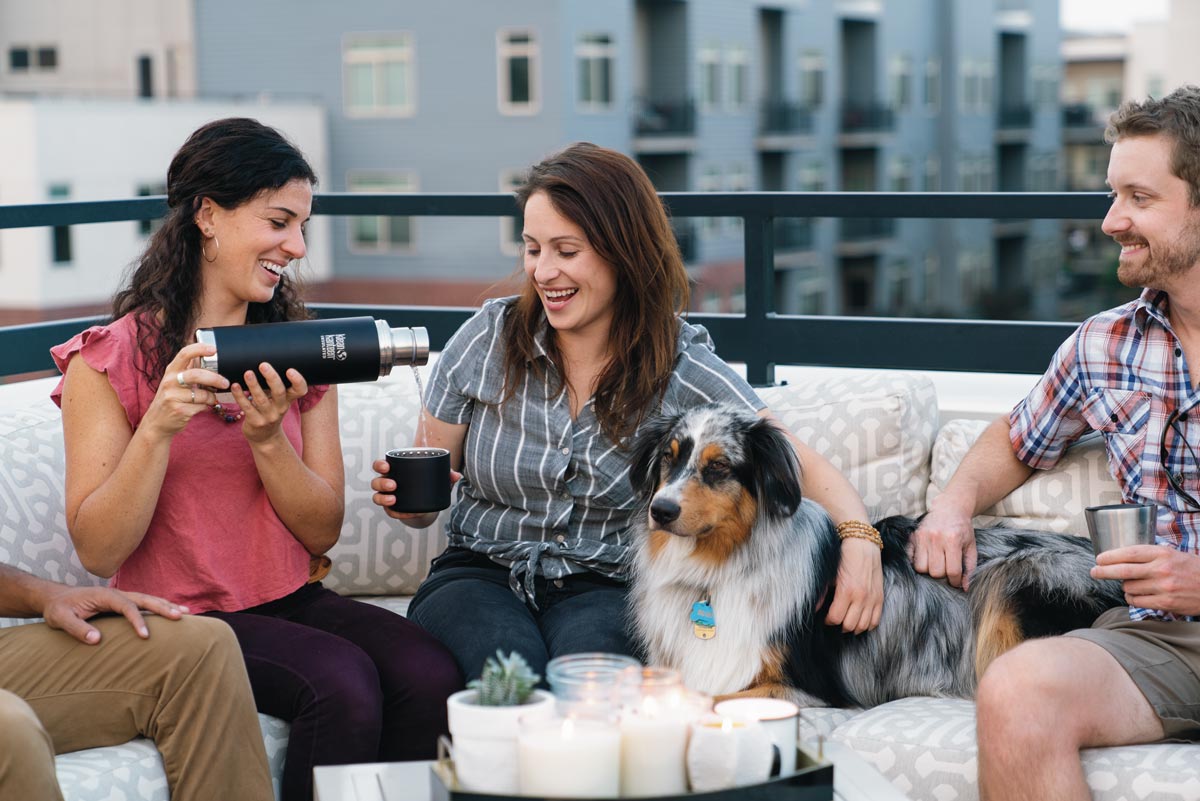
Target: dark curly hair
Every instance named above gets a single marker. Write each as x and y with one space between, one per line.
229 161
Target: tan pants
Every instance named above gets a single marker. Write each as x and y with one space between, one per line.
185 688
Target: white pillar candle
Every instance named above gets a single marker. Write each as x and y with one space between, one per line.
780 718
654 738
569 758
724 752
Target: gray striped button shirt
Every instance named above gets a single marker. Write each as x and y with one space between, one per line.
541 493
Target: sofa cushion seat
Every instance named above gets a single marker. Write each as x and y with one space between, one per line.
926 748
133 771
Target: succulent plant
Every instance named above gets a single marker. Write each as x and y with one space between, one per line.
504 681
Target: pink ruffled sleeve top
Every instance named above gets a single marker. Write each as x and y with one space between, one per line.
214 542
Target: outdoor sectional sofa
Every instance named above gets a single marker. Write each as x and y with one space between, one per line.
883 429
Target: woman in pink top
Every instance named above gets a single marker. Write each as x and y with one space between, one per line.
181 485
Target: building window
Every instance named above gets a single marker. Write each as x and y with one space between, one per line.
812 177
970 87
737 180
710 77
986 73
511 240
710 181
594 57
932 280
933 85
517 57
145 76
738 61
23 58
148 227
60 235
380 74
18 59
381 234
901 174
901 69
933 174
812 79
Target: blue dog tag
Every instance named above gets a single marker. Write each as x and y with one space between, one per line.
702 614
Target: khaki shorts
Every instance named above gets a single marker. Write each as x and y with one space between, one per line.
1162 658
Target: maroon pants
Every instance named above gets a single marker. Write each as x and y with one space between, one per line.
358 683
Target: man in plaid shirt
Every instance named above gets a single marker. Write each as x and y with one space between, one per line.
1133 374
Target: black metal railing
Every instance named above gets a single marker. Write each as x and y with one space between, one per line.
780 117
664 118
760 338
1014 116
867 118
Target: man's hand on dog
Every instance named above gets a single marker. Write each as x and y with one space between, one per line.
858 595
944 546
1154 576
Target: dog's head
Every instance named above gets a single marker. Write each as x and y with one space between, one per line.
713 470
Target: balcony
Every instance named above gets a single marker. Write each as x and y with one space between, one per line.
793 233
1014 123
664 126
865 124
783 125
1082 123
760 338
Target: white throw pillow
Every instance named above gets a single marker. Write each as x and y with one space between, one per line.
877 428
1051 500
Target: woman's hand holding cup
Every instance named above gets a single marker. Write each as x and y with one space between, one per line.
414 484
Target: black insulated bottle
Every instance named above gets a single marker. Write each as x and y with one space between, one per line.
335 351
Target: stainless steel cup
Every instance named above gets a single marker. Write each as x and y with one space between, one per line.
1121 524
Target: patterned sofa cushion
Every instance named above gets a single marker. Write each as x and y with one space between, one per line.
926 748
877 428
133 771
1051 500
376 555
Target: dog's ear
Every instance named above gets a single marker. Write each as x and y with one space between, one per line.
648 443
775 468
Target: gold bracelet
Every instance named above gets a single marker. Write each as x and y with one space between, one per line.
856 529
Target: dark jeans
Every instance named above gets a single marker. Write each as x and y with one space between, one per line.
467 604
358 683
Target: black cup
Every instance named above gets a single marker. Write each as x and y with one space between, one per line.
422 477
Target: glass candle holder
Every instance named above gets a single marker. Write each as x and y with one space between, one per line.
565 757
586 685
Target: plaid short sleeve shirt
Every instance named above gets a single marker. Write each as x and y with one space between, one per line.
541 492
1122 373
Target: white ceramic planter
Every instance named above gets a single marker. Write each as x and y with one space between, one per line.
485 739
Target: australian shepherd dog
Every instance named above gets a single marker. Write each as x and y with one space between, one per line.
734 572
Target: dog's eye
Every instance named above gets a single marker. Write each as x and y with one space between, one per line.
717 467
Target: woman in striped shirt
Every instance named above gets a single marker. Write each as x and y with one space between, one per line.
536 397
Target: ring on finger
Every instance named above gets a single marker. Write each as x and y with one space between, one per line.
179 379
193 400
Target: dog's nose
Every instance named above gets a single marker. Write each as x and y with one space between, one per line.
664 510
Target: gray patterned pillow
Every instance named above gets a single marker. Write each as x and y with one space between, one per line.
376 555
1051 500
877 428
33 521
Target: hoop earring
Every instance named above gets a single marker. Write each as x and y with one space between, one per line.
216 252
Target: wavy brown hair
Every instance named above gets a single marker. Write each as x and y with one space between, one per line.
610 197
229 161
1177 116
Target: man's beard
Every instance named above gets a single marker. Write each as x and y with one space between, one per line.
1163 261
